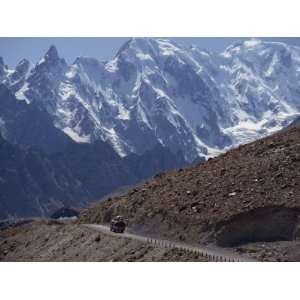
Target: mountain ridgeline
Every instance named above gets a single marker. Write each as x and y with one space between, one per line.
43 169
72 133
156 91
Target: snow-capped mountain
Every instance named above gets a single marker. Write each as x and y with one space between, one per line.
154 90
28 125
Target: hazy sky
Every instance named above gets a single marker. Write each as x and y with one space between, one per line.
15 49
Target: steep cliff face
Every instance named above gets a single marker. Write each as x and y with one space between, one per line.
263 224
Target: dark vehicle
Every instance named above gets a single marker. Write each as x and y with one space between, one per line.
117 224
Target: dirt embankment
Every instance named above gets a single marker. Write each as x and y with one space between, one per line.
54 241
190 204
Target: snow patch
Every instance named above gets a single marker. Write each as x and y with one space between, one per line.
252 43
115 141
20 94
166 47
124 113
75 136
143 56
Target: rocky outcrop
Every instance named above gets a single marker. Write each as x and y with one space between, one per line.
65 212
263 224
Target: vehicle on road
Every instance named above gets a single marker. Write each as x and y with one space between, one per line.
117 224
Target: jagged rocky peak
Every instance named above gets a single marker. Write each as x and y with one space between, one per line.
133 43
52 53
142 54
144 44
135 49
1 61
150 46
144 49
52 59
51 63
156 90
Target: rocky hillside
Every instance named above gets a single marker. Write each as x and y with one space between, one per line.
56 241
248 194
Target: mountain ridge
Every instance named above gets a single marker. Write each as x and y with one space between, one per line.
194 101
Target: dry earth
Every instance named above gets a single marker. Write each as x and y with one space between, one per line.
55 241
251 192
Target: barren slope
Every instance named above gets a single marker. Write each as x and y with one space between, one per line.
258 182
54 241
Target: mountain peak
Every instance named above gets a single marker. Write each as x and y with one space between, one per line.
52 58
146 43
52 53
140 44
1 61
